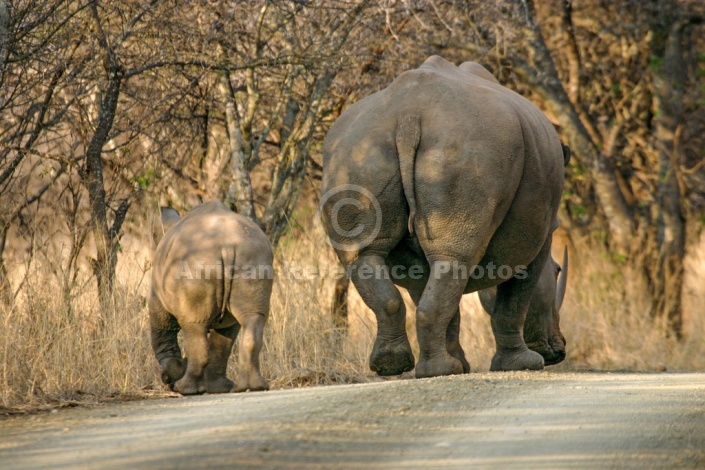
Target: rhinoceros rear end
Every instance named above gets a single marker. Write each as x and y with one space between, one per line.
212 277
445 183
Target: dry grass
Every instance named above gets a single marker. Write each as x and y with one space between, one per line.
303 346
606 331
57 351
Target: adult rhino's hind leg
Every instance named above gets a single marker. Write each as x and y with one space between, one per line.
453 341
508 318
220 345
196 346
452 334
437 308
391 353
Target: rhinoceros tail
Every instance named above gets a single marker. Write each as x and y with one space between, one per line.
407 140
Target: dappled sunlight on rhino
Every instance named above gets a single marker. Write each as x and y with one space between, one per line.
212 277
447 183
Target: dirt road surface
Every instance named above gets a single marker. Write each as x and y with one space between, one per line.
493 420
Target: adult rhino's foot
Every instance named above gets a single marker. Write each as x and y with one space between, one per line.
523 359
251 382
459 354
443 364
551 354
391 358
189 385
219 385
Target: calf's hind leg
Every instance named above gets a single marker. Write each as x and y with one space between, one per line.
249 376
249 304
164 330
220 345
196 346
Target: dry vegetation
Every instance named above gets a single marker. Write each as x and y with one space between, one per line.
108 108
605 332
56 351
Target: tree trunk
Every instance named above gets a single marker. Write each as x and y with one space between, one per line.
288 176
4 35
669 77
572 53
240 191
548 86
105 238
5 286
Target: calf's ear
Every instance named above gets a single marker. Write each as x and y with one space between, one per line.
168 217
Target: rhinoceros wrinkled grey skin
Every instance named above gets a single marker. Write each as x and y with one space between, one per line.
211 278
442 171
542 331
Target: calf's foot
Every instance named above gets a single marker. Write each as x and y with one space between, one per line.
253 383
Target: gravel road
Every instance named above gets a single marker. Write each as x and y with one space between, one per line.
491 420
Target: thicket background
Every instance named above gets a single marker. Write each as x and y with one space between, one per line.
109 109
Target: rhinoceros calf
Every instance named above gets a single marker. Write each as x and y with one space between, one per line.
211 277
440 173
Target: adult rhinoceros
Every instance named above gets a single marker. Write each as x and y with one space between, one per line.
211 276
442 171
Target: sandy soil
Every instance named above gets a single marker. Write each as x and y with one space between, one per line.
521 420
